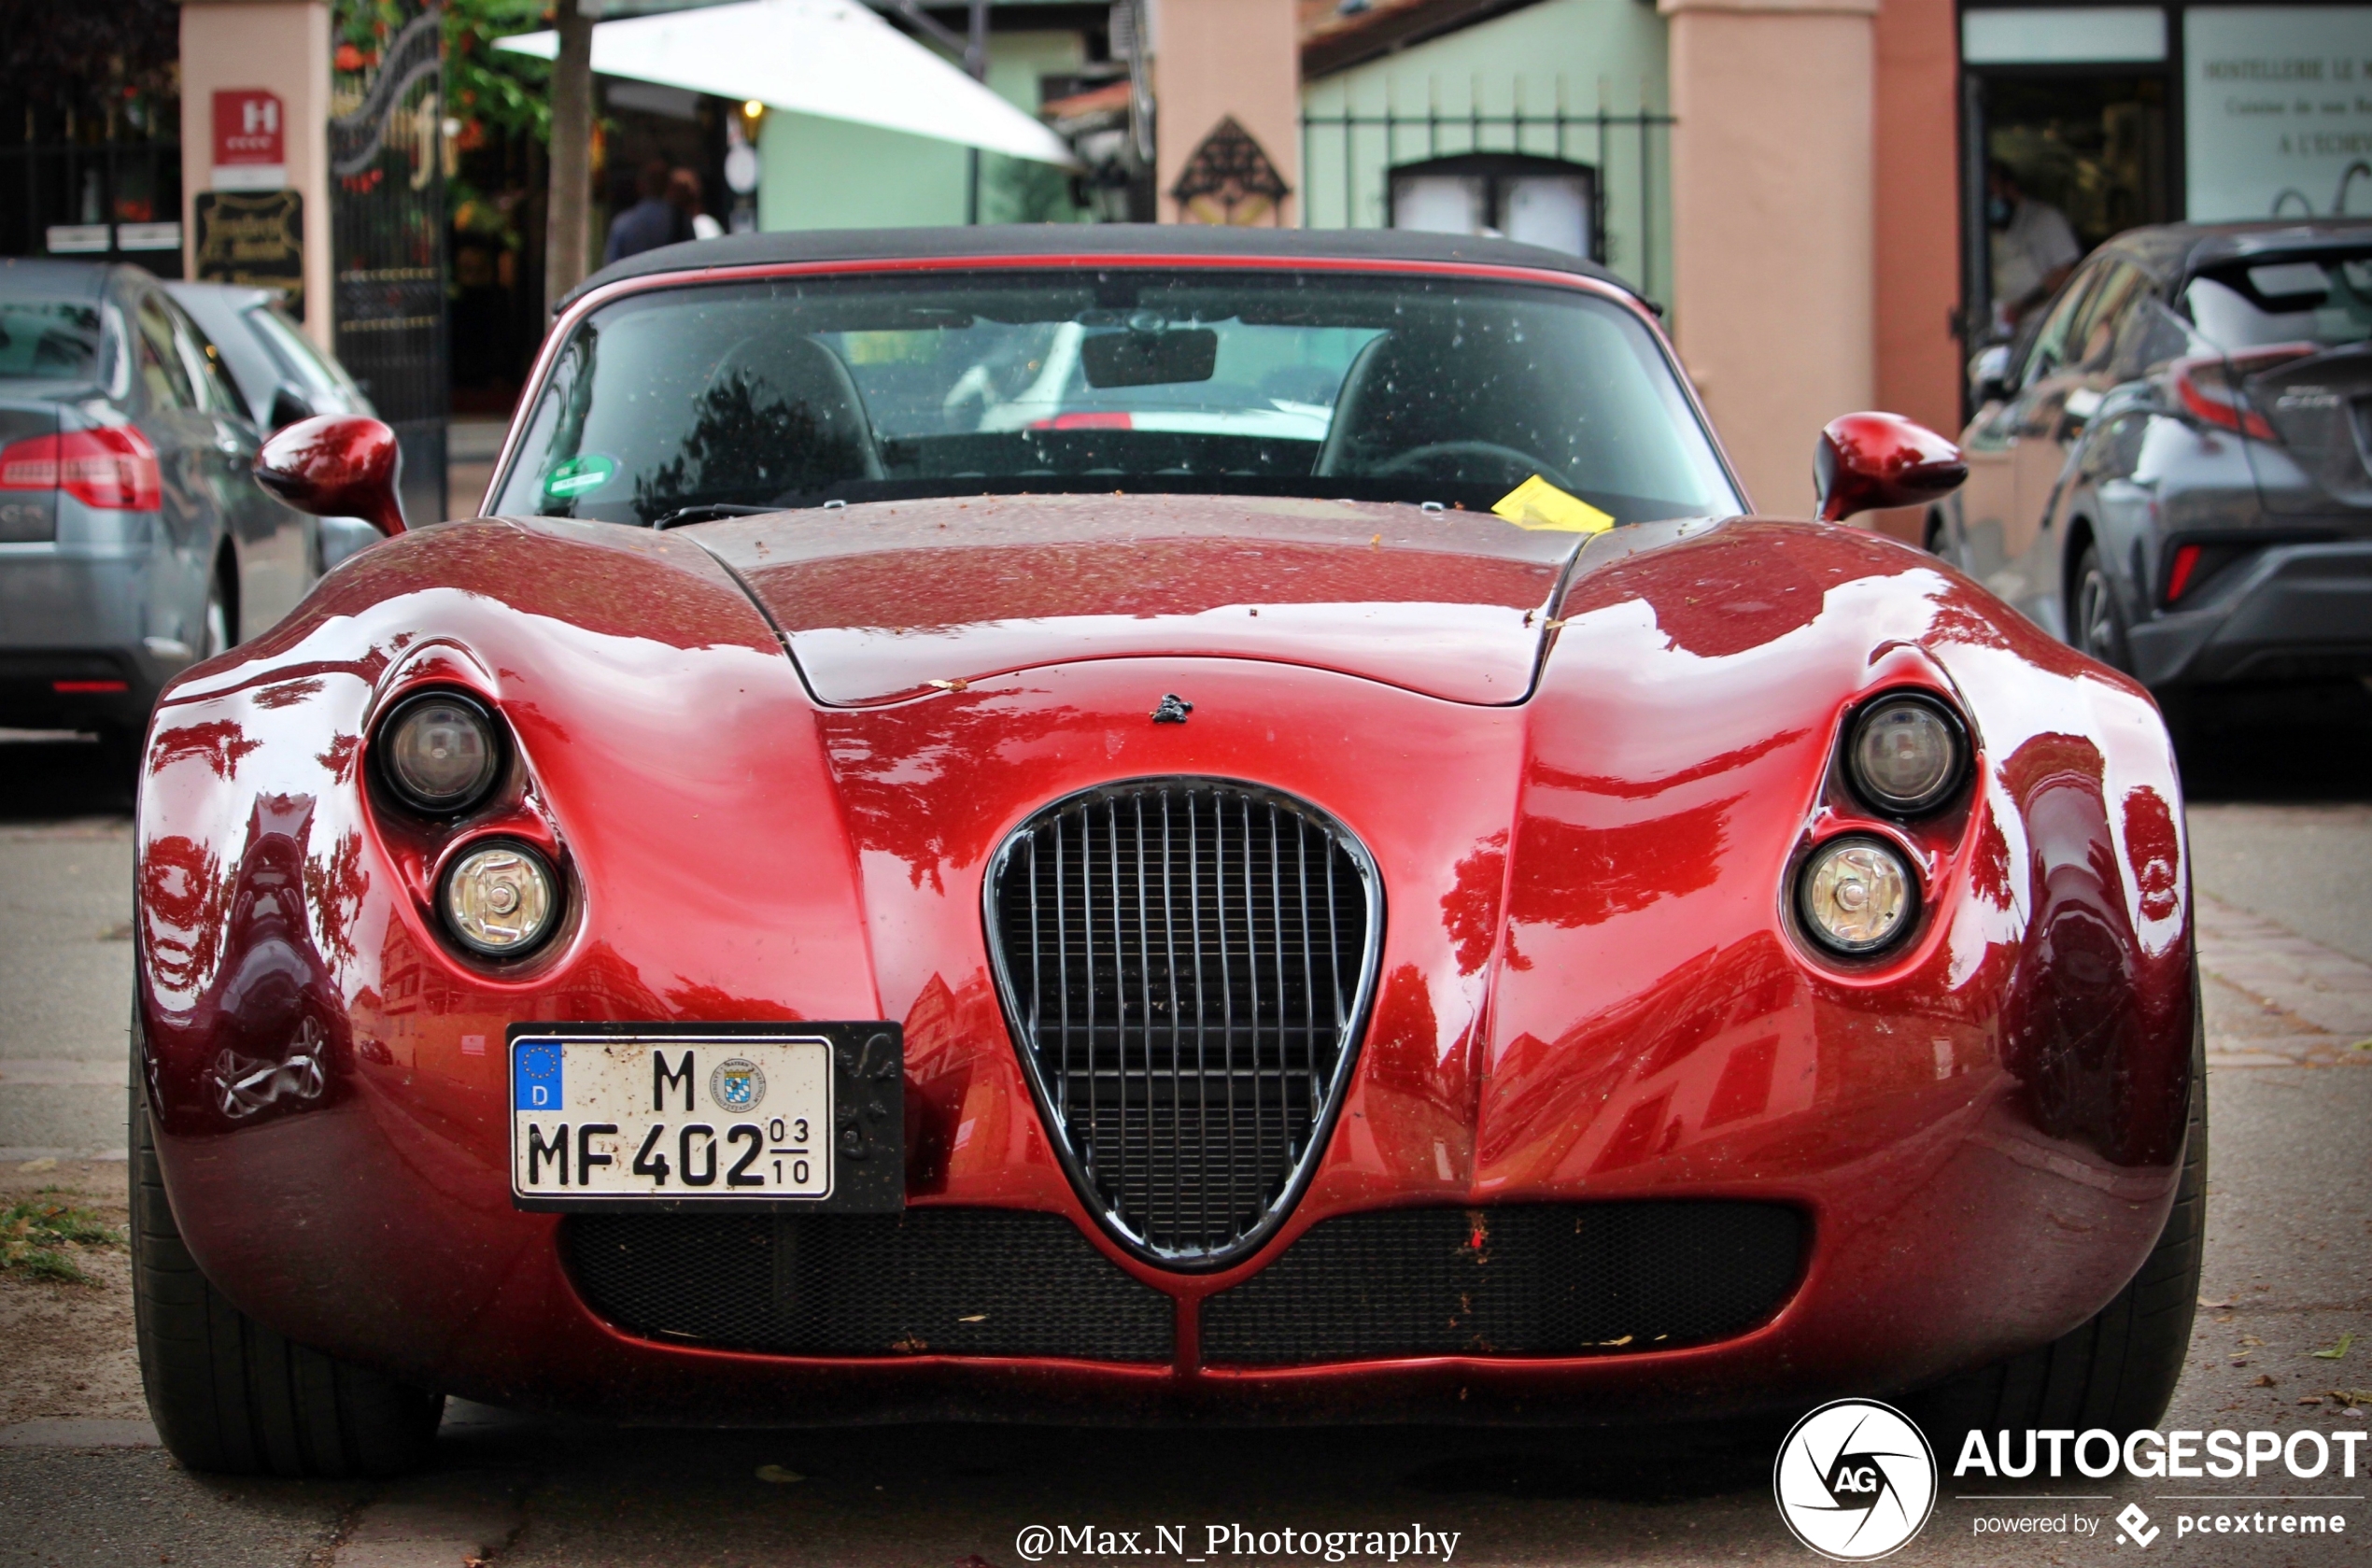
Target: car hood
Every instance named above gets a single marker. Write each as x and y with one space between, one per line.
882 601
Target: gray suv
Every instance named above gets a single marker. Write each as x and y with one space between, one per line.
2171 467
134 538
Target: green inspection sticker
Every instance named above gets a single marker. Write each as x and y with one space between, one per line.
579 475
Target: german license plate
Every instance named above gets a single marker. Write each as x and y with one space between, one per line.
607 1116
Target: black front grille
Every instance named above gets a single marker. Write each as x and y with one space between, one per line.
1185 962
929 1282
1537 1280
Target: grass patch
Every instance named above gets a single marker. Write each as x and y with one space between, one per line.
35 1232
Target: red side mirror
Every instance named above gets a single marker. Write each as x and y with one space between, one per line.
336 465
1867 461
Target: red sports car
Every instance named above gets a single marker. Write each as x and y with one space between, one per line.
1152 825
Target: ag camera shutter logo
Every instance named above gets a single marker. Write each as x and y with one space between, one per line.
1855 1480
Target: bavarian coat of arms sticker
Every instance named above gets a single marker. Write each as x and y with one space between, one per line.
737 1085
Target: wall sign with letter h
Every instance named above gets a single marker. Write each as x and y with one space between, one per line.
250 140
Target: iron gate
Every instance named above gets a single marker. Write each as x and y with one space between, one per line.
388 242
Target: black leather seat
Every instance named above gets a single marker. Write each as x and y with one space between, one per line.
781 412
1406 392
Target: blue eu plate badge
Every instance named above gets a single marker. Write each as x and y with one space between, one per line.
535 1082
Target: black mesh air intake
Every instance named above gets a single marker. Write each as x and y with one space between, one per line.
1186 963
945 1281
1516 1281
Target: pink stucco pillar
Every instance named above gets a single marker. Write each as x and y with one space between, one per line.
1773 298
1918 221
1216 59
281 47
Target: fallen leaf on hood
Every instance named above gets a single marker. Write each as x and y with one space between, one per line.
952 685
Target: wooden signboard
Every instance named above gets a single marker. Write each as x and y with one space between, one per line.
255 237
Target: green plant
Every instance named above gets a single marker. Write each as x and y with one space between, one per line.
34 1232
492 93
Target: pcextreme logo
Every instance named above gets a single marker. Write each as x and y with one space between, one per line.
1855 1480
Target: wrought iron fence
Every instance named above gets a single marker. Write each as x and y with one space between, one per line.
113 199
1348 156
387 244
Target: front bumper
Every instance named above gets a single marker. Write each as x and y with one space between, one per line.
380 1228
2292 612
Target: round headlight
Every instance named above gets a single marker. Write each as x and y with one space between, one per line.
1856 895
438 751
499 899
1905 753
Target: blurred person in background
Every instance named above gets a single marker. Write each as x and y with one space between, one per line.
650 222
684 195
2033 248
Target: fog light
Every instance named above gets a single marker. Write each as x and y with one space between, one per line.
439 753
1856 895
499 899
1905 753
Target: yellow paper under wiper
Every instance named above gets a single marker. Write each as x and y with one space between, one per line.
1536 503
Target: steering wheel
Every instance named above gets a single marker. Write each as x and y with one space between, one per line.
1416 455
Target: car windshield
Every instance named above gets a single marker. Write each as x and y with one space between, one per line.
2323 299
801 391
49 340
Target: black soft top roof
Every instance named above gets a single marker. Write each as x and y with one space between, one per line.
1119 241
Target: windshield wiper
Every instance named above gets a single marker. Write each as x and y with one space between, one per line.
709 513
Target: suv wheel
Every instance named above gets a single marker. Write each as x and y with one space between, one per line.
2099 621
217 629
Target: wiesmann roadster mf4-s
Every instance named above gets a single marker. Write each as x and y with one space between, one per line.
1158 825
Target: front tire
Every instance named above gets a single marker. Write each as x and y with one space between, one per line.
2119 1369
231 1396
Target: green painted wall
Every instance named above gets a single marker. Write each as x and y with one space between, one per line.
833 173
1580 54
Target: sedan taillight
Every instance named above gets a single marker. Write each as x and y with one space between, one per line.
113 468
